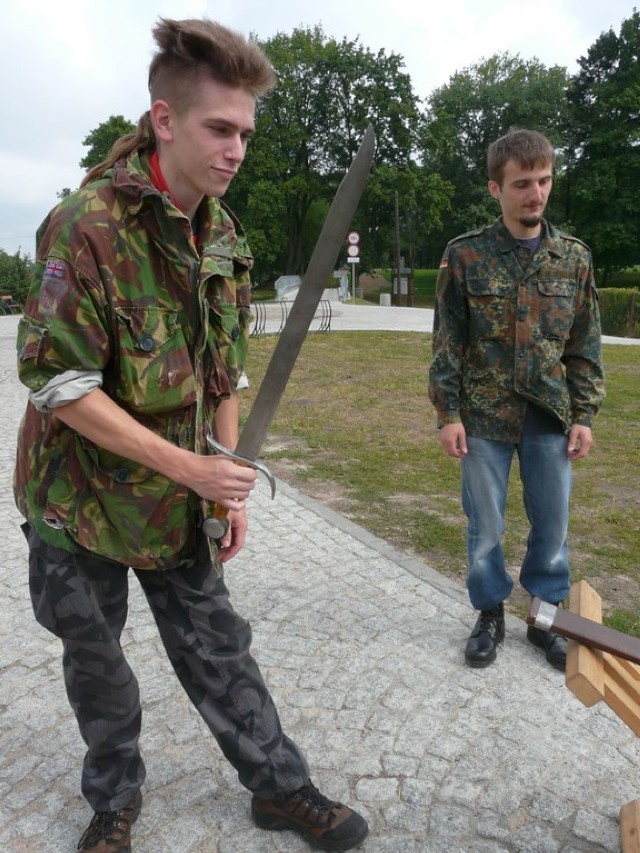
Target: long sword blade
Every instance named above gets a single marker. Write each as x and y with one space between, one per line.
284 356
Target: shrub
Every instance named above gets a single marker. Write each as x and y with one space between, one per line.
15 274
620 311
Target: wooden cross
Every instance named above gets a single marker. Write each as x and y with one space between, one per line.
598 676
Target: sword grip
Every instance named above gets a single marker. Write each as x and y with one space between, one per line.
216 525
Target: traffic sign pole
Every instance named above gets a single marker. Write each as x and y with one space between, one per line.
353 257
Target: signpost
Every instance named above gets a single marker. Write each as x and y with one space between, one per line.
353 257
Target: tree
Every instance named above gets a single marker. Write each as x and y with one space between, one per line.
604 153
100 140
307 132
478 105
423 199
15 274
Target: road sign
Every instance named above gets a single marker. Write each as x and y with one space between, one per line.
353 238
353 251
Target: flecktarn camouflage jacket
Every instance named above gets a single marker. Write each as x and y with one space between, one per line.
120 288
506 334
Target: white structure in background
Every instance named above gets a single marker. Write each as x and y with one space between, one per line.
287 287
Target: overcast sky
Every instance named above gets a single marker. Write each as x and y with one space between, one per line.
67 65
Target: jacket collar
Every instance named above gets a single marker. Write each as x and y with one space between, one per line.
220 227
550 238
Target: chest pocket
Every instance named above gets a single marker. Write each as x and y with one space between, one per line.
557 299
490 306
221 294
228 322
155 373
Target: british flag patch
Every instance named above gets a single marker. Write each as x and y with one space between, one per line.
55 268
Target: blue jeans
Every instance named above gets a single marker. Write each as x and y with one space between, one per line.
545 472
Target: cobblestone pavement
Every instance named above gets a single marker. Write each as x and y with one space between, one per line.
362 647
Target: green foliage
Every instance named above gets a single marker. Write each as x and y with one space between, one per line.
433 156
423 201
620 311
474 108
482 102
15 274
100 140
307 132
603 162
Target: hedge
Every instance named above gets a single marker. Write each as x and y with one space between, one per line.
620 311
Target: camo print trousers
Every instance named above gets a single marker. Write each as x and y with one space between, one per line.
82 599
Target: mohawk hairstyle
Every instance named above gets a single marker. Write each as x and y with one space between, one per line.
188 52
193 48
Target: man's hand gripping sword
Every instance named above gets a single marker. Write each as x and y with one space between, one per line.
217 525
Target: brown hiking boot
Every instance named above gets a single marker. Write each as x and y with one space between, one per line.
109 832
322 822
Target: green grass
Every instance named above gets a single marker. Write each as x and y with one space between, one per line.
424 281
424 287
625 621
355 429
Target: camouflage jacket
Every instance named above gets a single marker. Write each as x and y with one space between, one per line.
120 288
506 334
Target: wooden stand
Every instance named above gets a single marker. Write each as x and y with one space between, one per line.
595 676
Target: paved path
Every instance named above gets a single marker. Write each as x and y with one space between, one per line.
362 647
346 317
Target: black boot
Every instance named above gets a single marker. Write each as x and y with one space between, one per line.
487 633
553 646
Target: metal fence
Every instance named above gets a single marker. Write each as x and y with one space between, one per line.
270 317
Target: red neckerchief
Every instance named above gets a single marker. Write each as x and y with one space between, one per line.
159 182
157 178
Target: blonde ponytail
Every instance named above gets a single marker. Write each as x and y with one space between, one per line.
142 139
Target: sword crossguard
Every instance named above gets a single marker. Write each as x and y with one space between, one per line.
250 463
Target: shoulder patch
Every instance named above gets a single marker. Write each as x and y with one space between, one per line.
54 268
55 286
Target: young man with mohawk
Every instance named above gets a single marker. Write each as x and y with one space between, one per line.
132 344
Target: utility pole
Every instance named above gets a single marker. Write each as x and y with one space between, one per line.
395 290
410 282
